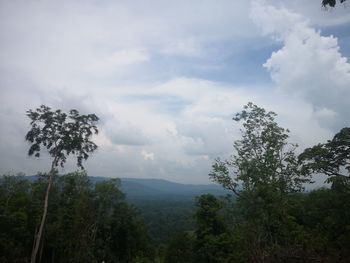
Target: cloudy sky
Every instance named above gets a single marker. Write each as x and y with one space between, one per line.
166 77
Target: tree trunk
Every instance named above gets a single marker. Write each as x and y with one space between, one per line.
38 235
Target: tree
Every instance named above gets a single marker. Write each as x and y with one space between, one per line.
331 158
70 221
14 218
262 172
331 3
61 134
86 221
210 230
179 248
207 218
120 235
262 158
215 240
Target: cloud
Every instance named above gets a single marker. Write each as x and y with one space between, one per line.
276 21
308 66
316 14
185 47
147 155
125 133
165 88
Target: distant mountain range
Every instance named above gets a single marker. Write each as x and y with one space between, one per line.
135 188
158 187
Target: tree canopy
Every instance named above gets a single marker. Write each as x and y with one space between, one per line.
263 171
61 134
331 3
262 157
86 222
331 158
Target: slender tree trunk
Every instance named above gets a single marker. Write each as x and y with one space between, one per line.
38 235
41 251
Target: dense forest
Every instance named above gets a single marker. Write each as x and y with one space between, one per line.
265 215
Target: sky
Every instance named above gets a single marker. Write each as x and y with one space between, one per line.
166 77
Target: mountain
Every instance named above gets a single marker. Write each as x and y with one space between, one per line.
135 188
155 188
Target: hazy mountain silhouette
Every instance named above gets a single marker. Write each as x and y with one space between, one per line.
156 188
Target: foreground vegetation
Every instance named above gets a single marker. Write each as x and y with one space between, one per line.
92 223
85 222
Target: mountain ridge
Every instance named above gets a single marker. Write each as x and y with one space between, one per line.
149 188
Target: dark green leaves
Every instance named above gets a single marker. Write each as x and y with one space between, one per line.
86 222
331 158
331 3
61 134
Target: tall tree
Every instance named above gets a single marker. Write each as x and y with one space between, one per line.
61 134
210 230
262 171
262 157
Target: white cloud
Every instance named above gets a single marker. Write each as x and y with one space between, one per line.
276 21
309 65
318 16
125 133
184 47
147 155
108 58
117 61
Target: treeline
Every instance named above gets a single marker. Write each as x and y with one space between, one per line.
85 222
93 223
307 227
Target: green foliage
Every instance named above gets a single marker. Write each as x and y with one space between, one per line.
275 223
61 134
265 174
262 158
262 172
212 240
211 231
166 216
85 222
207 219
331 158
180 249
324 216
271 220
119 225
15 235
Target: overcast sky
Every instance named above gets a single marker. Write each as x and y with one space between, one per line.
166 77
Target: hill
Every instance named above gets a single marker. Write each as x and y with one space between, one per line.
156 188
149 188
